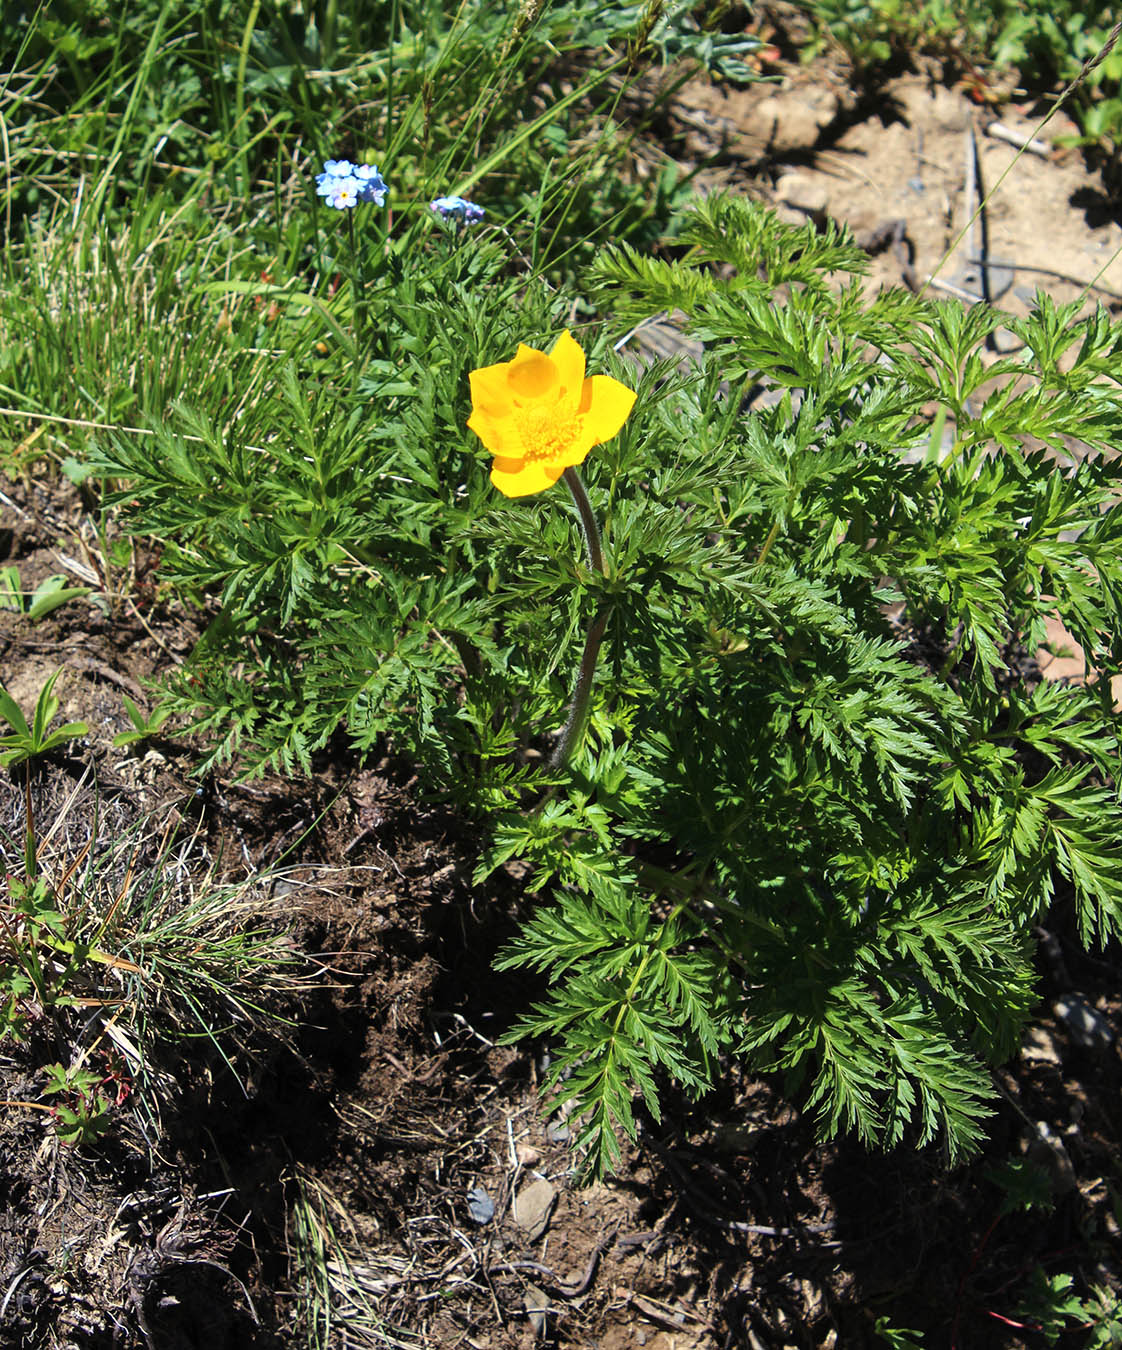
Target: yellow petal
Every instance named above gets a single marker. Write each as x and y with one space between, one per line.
576 452
531 375
569 360
604 406
529 476
497 433
508 463
490 393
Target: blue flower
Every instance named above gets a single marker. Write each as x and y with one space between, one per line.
458 209
343 193
343 184
372 186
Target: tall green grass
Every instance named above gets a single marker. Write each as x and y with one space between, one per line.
161 234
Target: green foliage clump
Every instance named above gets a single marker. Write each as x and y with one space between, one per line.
824 797
1057 1309
149 105
117 960
162 158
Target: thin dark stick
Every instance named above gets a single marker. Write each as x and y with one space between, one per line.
1059 276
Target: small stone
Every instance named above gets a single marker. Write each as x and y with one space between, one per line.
558 1129
1047 1151
480 1205
527 1155
802 191
1088 1029
1039 1046
536 1303
532 1207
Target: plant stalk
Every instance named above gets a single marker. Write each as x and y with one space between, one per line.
30 848
574 726
772 535
575 723
358 286
588 525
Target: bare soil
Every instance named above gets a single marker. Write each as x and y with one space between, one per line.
388 1127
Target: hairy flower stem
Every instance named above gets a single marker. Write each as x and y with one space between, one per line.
589 528
574 726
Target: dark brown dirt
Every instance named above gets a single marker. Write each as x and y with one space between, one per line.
368 1128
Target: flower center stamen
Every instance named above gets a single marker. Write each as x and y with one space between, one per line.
545 434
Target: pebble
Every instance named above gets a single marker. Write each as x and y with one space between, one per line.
802 191
532 1207
1088 1029
1039 1046
480 1205
536 1303
1047 1150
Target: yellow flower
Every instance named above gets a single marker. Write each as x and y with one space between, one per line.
538 415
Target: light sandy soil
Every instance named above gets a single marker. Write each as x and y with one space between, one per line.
814 150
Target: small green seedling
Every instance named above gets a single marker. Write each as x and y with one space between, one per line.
84 1114
31 934
36 604
43 950
1054 1304
899 1338
143 727
29 742
11 597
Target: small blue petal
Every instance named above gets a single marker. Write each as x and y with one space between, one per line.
372 186
343 194
457 208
